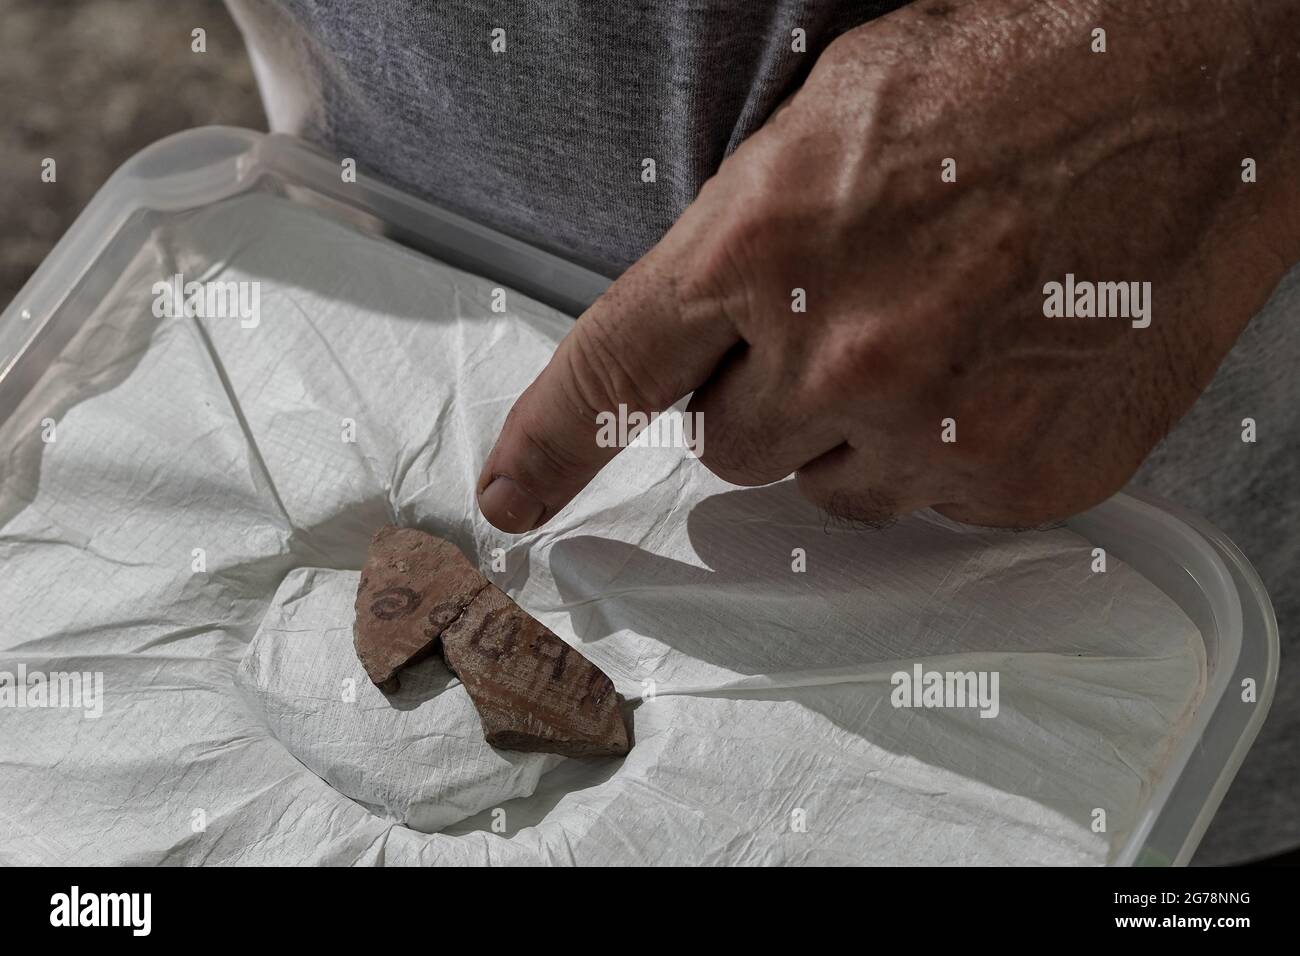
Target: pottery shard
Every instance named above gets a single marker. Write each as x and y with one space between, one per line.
533 692
412 587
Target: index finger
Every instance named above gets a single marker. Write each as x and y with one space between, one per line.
642 345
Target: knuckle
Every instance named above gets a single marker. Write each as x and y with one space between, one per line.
713 283
859 362
603 373
895 352
541 454
740 259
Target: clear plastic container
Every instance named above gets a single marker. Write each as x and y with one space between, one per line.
1184 556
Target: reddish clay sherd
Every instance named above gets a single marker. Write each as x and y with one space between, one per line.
533 692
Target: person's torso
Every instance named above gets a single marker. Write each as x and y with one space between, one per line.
582 127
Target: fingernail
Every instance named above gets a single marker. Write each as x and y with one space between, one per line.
508 507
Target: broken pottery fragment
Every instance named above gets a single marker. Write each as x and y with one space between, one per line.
533 692
412 587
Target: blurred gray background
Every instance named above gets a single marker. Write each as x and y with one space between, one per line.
89 83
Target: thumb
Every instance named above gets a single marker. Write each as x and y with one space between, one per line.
643 344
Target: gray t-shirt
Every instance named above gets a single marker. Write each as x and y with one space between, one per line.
547 140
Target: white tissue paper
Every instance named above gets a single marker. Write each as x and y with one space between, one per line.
193 533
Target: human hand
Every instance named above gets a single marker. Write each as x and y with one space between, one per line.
925 298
